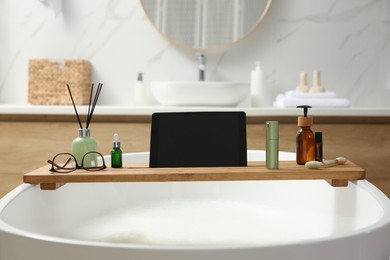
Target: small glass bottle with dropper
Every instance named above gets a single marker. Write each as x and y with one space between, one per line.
305 145
116 153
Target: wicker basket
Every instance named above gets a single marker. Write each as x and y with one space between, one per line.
48 79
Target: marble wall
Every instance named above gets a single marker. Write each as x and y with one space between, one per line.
348 40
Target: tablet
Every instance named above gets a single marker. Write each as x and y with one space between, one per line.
198 139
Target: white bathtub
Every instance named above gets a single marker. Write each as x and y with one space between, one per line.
196 220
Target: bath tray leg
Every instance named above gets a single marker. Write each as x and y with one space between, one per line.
338 182
51 186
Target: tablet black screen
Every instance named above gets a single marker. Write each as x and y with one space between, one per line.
196 139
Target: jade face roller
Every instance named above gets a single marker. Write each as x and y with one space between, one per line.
325 163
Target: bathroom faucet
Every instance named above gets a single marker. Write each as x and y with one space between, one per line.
201 65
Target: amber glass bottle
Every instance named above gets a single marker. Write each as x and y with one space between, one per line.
318 146
305 145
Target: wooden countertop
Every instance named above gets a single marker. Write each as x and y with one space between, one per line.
106 113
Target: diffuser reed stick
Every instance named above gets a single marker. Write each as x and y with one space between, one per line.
90 113
91 106
74 106
90 98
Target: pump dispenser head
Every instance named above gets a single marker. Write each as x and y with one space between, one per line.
305 120
116 143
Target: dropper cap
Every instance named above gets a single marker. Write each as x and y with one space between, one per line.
116 143
305 120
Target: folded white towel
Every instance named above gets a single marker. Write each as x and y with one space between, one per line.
298 94
326 99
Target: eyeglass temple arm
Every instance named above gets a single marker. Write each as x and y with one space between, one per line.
56 165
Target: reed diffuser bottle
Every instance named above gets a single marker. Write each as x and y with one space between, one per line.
84 143
305 138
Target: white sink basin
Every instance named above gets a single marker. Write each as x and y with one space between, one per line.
201 93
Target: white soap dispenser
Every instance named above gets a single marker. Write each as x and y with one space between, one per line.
140 92
258 97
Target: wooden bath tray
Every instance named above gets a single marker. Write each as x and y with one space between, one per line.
140 172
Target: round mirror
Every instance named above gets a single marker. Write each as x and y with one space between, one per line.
205 24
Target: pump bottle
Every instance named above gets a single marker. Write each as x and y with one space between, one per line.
116 153
258 86
305 145
140 92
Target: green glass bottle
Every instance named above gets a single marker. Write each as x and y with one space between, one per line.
83 144
116 153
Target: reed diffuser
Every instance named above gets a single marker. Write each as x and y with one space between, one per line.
84 143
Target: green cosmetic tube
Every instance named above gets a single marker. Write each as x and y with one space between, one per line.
272 145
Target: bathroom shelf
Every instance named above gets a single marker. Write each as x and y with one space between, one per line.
337 176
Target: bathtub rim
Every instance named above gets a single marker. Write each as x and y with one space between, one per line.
381 198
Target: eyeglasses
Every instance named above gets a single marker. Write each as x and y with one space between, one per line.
66 162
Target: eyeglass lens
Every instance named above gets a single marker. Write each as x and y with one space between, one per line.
89 160
64 163
93 161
